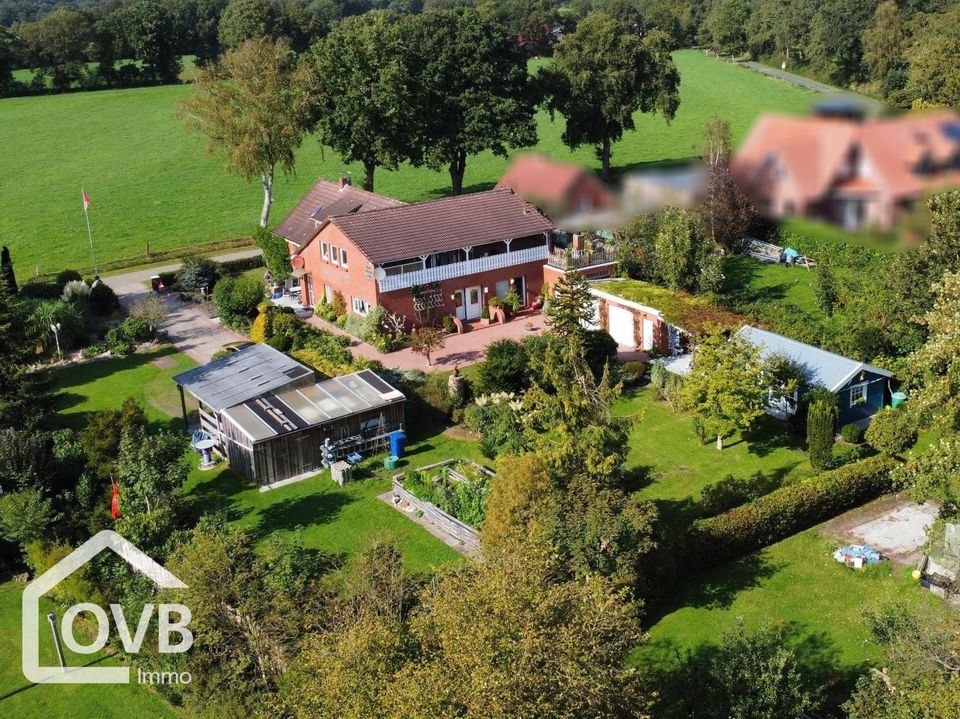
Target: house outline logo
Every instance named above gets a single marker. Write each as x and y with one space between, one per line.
30 607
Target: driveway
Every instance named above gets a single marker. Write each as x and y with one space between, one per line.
188 329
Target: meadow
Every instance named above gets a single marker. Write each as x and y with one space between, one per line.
152 184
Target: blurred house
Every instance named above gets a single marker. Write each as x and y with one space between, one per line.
677 186
854 171
557 188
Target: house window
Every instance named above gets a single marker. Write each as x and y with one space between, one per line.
360 306
333 254
323 250
858 394
343 257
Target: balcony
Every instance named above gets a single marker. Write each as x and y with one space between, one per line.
413 273
567 260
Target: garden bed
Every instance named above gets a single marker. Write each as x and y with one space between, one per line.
458 485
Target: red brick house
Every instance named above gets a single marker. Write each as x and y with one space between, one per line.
557 188
434 258
855 172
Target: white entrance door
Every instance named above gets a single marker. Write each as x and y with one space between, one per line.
647 334
474 303
620 325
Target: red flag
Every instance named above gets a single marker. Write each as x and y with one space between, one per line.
115 502
86 199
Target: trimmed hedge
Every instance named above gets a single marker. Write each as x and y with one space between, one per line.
242 264
786 511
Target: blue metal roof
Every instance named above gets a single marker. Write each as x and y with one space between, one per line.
825 369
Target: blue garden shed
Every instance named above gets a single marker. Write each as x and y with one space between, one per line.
861 389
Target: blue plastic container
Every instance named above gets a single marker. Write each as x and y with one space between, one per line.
398 443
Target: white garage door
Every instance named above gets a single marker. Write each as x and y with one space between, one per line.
620 323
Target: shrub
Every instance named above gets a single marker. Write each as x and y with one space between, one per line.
851 433
325 311
731 492
283 343
198 273
844 454
484 313
319 361
504 369
103 300
242 264
65 276
820 421
787 511
496 417
339 304
891 431
39 289
448 324
237 299
123 338
167 279
658 380
276 254
260 329
632 372
94 350
511 300
76 291
599 348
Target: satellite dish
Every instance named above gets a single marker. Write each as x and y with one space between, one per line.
379 274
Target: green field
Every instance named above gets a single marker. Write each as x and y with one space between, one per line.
151 182
23 700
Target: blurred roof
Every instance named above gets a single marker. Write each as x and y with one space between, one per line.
295 409
809 154
539 179
250 372
324 200
825 369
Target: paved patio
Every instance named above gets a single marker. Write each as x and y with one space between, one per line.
458 351
894 525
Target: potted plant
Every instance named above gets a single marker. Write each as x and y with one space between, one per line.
511 301
484 316
448 324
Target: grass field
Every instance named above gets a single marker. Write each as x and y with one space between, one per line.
23 700
151 182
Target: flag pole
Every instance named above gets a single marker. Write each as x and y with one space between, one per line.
93 252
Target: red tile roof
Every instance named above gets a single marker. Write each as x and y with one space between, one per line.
808 154
324 200
538 179
397 233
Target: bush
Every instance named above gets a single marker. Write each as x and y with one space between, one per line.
76 291
283 343
496 417
504 369
786 511
124 338
260 330
65 276
103 300
632 372
731 492
599 348
820 421
658 381
338 304
448 324
95 350
851 434
237 299
167 279
38 289
325 311
198 273
844 454
891 431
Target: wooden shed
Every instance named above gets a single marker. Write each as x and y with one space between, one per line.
295 432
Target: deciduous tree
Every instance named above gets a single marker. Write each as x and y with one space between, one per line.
725 387
426 340
601 76
253 106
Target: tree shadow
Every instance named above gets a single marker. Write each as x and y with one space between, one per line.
318 508
770 434
217 494
680 673
444 190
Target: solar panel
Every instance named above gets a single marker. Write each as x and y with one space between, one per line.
374 381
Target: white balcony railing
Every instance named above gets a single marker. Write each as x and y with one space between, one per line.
460 269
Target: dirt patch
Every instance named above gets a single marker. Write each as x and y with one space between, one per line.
894 525
164 362
458 431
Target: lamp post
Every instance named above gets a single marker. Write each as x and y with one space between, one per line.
56 334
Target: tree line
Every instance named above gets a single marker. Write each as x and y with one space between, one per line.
430 89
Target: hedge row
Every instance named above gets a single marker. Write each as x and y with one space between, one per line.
786 511
232 267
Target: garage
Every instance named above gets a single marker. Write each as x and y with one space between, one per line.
620 325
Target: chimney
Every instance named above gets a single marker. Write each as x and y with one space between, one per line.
576 242
344 181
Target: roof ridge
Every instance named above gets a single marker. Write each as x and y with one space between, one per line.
406 205
805 344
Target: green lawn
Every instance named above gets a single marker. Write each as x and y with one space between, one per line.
771 282
795 584
19 698
150 181
676 466
104 384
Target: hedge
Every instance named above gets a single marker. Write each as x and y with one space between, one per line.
786 511
242 264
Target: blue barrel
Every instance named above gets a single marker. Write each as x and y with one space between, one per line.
398 443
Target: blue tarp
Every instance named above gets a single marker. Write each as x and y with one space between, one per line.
848 554
791 253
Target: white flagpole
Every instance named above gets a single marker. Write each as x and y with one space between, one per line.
86 213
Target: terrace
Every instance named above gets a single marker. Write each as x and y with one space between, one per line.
448 265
